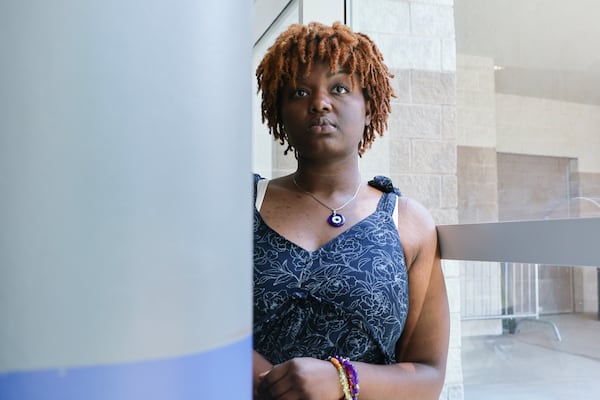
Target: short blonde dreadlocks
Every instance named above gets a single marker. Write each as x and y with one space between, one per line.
299 46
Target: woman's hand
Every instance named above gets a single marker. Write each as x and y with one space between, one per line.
260 367
301 378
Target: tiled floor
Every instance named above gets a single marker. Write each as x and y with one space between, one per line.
533 365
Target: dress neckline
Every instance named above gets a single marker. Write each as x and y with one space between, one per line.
378 209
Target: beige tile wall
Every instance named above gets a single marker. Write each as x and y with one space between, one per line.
419 151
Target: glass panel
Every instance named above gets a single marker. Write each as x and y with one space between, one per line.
262 142
527 143
268 159
517 353
528 137
528 109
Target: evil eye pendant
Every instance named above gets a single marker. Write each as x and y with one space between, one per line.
336 220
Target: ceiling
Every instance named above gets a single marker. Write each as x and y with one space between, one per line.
545 48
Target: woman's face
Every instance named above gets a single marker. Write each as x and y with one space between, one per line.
324 114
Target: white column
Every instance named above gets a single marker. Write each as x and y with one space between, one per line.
125 199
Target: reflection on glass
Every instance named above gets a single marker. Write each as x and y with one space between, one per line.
528 109
262 142
515 346
528 135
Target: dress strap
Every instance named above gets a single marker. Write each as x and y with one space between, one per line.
385 184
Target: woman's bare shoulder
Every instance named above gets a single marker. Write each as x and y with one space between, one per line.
416 228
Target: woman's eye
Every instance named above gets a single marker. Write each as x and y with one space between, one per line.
340 89
299 93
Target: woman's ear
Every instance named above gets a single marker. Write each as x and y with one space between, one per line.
367 113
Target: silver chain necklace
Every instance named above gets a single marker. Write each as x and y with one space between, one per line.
335 219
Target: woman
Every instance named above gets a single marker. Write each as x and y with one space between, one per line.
349 296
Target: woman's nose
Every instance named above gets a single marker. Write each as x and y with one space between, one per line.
320 102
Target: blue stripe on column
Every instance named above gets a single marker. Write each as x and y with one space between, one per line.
223 373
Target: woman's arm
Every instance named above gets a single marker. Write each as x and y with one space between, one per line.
423 348
421 351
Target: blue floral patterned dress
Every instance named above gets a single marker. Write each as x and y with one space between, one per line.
347 298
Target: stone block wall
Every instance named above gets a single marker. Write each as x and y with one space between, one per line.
491 122
533 187
589 187
528 125
586 203
476 137
476 101
419 151
477 175
477 184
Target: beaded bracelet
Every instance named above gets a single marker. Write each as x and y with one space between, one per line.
351 377
343 377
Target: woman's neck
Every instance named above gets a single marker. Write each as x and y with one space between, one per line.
328 179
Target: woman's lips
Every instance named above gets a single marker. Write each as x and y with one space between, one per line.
321 125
